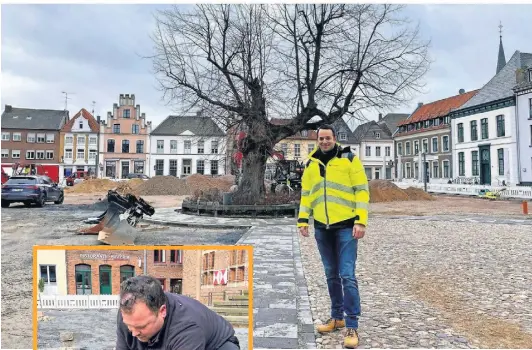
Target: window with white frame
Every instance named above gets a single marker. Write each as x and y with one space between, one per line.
445 143
17 136
49 154
69 140
81 141
214 147
5 153
47 274
408 150
135 129
435 170
201 147
41 138
80 155
434 145
297 150
6 136
310 147
387 151
425 144
173 146
68 153
416 147
30 154
342 136
530 108
15 154
188 146
446 169
160 146
39 154
378 151
200 166
377 135
399 148
368 151
50 138
173 167
92 154
81 124
93 141
214 167
30 138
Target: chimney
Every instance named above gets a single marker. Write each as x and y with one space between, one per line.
380 116
8 109
419 104
461 92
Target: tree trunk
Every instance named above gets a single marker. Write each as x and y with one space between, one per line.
251 188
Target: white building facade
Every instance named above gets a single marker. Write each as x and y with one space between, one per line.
79 145
523 108
182 146
376 156
485 147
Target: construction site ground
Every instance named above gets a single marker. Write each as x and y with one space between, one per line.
55 225
90 329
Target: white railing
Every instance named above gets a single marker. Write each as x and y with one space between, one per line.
78 302
520 192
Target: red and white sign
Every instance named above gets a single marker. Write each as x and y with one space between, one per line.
220 277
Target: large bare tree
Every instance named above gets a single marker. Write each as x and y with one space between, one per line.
244 64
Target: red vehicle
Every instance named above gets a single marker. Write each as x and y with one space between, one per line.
80 174
5 177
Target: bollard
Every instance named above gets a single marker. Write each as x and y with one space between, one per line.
525 207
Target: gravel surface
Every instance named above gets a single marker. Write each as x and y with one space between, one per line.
435 284
56 225
91 329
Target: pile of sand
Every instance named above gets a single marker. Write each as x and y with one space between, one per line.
387 191
129 186
198 182
163 185
92 186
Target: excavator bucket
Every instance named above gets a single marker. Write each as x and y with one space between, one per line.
116 226
116 230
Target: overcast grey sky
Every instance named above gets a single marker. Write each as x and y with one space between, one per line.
95 53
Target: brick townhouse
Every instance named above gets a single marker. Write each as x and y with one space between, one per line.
196 273
31 137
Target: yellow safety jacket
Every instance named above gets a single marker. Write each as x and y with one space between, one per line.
338 191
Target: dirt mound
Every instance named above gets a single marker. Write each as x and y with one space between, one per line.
92 185
387 191
163 185
417 194
129 186
198 182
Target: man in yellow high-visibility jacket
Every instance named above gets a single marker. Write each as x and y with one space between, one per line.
335 191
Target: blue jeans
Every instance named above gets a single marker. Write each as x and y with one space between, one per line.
338 250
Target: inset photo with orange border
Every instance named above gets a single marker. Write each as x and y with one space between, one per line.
179 297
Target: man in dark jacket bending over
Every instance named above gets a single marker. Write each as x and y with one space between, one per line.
149 318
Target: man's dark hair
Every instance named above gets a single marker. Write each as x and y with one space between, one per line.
326 127
145 289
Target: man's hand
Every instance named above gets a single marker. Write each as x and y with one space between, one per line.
359 231
303 230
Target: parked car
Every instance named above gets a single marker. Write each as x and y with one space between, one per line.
137 176
76 177
28 189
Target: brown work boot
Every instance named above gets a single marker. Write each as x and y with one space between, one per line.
351 338
331 325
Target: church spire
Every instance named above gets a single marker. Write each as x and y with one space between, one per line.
501 61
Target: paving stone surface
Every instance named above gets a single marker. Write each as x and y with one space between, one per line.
429 283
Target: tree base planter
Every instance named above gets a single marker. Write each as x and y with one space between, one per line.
259 211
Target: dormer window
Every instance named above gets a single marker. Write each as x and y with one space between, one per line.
377 135
342 136
81 124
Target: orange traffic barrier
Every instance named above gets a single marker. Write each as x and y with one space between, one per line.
525 207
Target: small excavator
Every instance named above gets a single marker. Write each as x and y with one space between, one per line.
117 225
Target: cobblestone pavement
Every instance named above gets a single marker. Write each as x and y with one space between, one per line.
92 329
441 284
56 225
